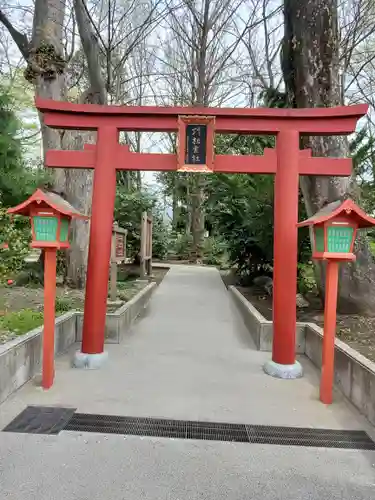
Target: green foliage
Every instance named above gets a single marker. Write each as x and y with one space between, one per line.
241 210
24 320
126 285
63 304
128 213
31 275
160 236
125 276
240 207
21 322
22 94
11 166
215 249
215 252
305 278
125 293
362 149
180 245
17 236
17 181
273 98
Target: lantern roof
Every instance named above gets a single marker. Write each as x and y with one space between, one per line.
52 200
338 208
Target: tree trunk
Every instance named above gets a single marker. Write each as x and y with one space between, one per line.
197 217
49 81
175 208
78 189
201 99
310 62
46 69
48 78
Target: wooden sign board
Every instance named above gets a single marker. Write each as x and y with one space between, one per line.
118 253
146 245
195 144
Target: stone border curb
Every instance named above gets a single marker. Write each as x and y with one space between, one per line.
119 321
20 358
259 327
354 373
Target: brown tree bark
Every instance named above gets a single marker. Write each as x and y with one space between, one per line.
310 63
78 183
200 98
46 69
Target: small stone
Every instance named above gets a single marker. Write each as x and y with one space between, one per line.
301 301
37 379
264 282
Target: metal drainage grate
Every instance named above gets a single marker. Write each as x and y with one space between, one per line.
51 420
299 436
157 427
288 436
41 420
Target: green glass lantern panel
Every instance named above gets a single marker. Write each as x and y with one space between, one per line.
64 230
339 239
45 228
319 239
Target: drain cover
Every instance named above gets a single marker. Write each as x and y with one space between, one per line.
52 420
299 436
41 420
217 431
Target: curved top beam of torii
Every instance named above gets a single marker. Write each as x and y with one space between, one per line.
196 128
318 121
340 120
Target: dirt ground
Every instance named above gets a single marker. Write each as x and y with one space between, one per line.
357 331
17 298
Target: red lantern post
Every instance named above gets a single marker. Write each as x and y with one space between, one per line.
50 220
334 231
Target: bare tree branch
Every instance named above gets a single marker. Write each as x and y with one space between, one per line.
19 38
90 47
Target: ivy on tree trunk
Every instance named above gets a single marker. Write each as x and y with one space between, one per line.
311 70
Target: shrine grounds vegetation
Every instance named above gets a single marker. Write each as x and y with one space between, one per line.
237 210
21 283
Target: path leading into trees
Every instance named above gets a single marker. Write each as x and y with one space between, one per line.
189 357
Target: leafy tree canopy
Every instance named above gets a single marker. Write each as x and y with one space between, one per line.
17 181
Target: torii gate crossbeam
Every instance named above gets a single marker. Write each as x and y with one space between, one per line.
286 162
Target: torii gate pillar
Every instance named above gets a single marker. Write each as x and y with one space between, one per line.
286 162
92 354
285 253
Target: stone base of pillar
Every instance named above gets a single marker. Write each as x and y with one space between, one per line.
89 361
283 371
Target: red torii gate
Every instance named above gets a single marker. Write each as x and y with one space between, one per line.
287 162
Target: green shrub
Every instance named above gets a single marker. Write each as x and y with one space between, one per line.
16 234
180 245
20 322
306 279
31 275
215 252
63 304
128 213
125 285
125 294
160 237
